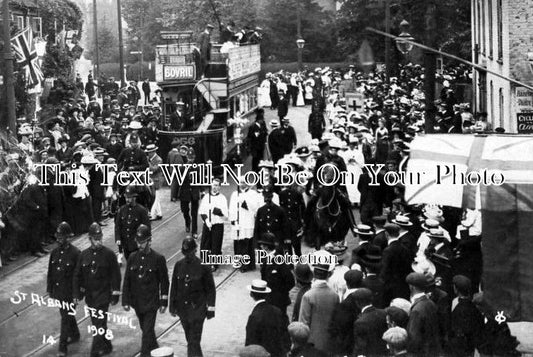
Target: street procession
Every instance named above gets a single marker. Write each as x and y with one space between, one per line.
266 178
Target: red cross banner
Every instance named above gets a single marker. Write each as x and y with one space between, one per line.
26 55
449 169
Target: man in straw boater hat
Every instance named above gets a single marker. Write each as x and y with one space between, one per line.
145 287
154 160
267 325
320 301
192 295
97 278
129 217
63 260
440 253
406 237
396 265
365 235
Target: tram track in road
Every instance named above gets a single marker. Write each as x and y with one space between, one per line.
26 308
178 321
87 317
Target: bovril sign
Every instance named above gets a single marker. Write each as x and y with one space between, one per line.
178 72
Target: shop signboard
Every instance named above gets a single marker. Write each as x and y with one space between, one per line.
524 123
524 100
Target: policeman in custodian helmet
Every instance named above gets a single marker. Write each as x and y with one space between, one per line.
145 287
192 295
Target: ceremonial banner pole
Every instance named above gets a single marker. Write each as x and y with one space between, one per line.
9 82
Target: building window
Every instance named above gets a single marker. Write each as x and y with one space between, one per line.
37 26
500 29
489 14
20 22
502 109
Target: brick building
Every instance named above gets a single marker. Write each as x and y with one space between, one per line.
502 39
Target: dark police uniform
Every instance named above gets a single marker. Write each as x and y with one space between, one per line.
97 277
132 159
61 268
145 289
293 203
192 295
271 218
127 220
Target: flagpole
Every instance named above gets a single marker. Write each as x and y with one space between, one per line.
96 49
9 82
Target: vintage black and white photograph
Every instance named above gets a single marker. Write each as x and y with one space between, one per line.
266 178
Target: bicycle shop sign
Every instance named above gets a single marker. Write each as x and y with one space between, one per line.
525 123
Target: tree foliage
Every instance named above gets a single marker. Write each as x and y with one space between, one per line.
452 24
58 13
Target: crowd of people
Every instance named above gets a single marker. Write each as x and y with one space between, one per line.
411 286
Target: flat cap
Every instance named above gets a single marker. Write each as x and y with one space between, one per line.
416 279
298 330
395 336
397 315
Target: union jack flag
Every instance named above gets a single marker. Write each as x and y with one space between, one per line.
26 55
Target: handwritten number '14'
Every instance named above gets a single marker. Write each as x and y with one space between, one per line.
49 340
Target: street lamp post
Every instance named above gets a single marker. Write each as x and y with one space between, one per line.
300 42
401 42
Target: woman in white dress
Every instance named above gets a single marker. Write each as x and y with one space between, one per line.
263 93
354 165
300 102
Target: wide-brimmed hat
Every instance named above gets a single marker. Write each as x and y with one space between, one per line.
135 125
303 151
150 148
430 224
363 229
259 286
436 233
402 221
89 160
335 249
274 123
